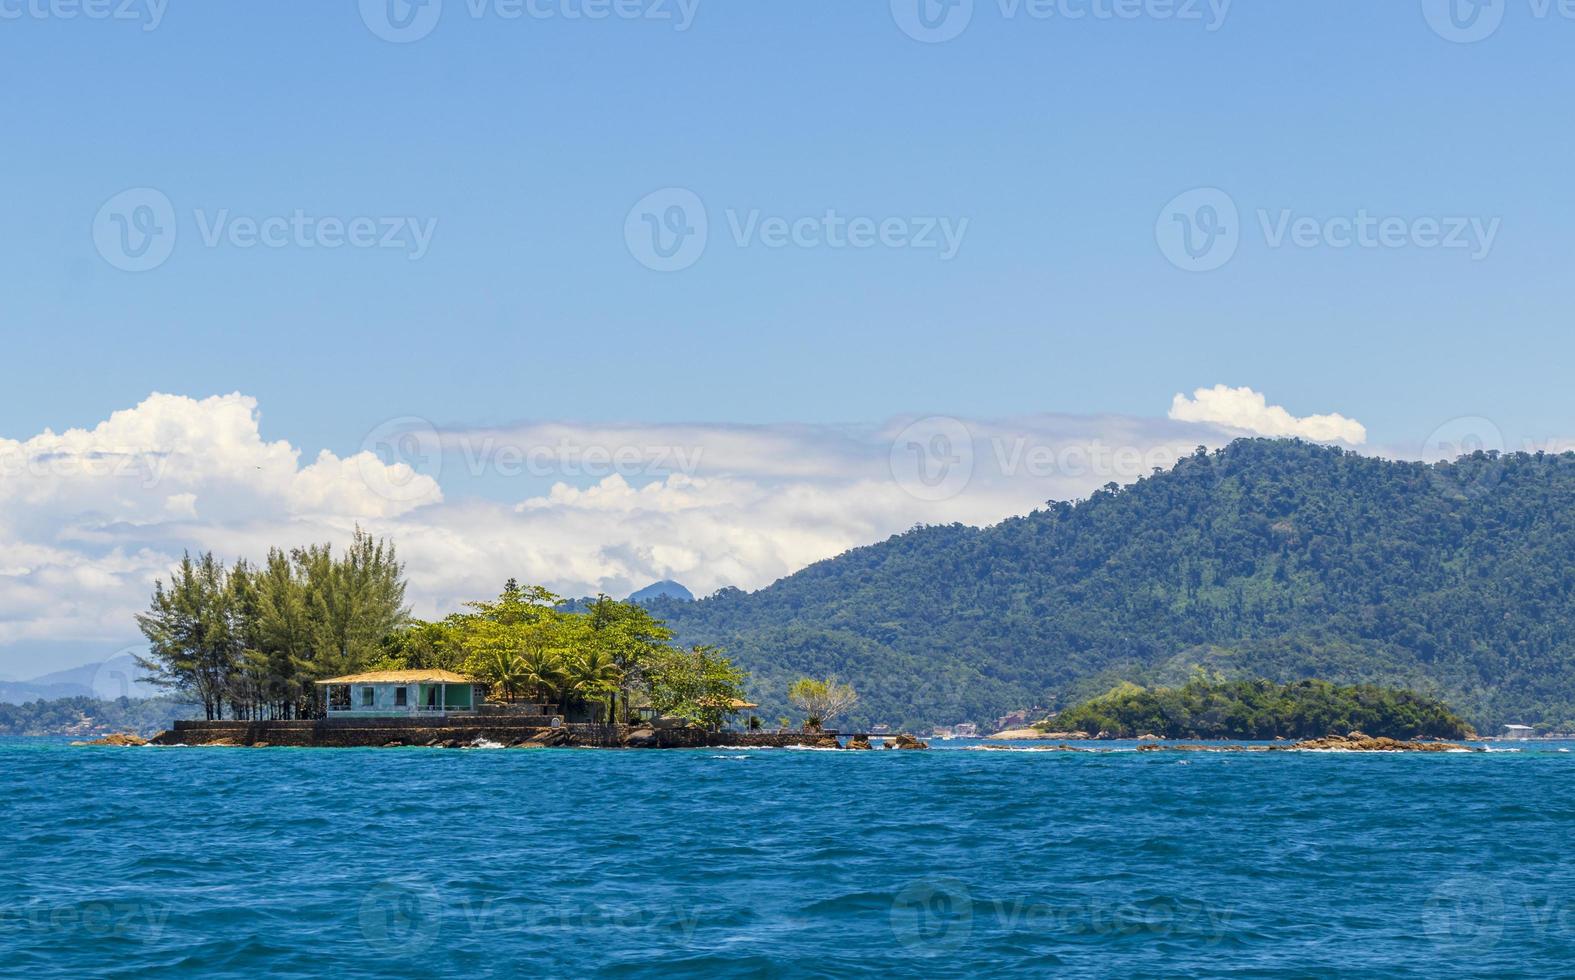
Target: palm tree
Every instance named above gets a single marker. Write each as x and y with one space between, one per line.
593 676
506 669
541 673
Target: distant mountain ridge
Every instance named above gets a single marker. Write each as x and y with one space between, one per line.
114 678
665 589
1271 558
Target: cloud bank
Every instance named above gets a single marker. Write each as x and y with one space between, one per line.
89 518
1245 410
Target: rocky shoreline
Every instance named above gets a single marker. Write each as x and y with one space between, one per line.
1351 742
460 734
641 737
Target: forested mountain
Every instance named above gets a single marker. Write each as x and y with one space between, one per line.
1269 558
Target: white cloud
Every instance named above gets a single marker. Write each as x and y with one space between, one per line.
1249 411
89 518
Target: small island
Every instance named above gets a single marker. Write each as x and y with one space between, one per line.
315 647
1261 710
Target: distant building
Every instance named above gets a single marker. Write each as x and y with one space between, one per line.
1021 718
1519 731
399 693
965 729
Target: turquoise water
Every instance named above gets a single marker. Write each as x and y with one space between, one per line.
408 862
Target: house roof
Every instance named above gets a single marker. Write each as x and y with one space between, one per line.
401 677
735 704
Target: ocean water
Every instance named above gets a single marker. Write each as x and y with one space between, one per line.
218 862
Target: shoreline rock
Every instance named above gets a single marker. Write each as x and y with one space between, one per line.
1034 735
125 739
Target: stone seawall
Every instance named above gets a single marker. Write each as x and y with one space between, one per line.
455 732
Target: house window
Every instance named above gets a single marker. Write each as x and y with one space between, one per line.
399 696
368 697
339 697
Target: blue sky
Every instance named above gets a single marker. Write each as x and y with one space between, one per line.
528 141
1053 147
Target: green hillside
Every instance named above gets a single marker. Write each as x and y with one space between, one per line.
1270 558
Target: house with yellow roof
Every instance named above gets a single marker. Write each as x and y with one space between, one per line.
401 693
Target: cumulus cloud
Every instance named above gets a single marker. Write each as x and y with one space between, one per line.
89 518
1246 410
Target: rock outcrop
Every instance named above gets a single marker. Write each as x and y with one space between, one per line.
1358 742
1034 734
126 739
906 742
641 738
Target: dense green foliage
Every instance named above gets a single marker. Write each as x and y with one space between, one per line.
600 653
1259 709
1270 558
253 641
87 716
255 638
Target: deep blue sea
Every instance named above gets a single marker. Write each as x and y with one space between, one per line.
218 862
